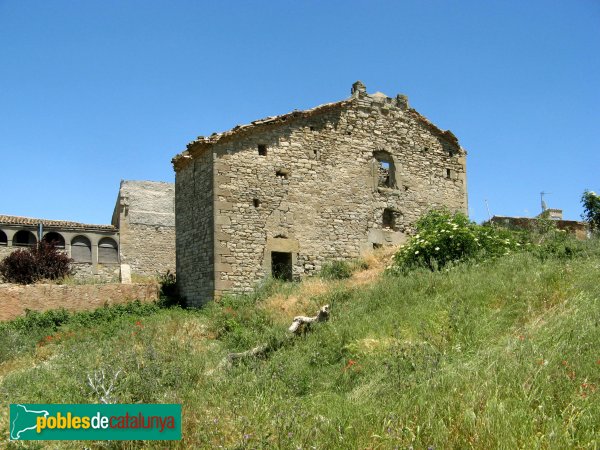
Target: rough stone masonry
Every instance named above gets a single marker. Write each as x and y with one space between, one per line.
281 196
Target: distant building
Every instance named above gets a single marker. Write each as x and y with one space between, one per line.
576 228
139 242
145 217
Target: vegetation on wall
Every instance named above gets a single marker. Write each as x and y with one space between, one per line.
43 261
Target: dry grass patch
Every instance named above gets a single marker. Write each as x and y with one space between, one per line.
284 307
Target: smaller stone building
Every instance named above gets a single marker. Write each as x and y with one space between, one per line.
94 248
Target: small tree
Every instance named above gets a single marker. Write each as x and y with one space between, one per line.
43 261
591 209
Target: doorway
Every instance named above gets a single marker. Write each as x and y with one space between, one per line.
281 266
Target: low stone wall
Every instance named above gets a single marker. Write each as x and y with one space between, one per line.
15 298
5 251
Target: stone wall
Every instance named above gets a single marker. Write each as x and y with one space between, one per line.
5 251
148 249
145 216
101 273
311 185
15 299
578 229
195 242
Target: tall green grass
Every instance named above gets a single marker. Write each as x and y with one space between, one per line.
498 354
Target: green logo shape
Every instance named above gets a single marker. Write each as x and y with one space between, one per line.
122 422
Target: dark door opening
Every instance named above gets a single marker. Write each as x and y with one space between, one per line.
281 266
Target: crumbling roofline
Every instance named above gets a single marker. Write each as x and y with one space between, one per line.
197 147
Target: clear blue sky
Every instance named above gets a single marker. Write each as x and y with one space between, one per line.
92 92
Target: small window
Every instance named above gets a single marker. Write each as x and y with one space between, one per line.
3 238
282 173
389 219
376 245
256 202
262 150
448 173
281 266
385 169
313 129
24 238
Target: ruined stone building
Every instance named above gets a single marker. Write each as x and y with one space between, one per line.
283 195
140 241
578 229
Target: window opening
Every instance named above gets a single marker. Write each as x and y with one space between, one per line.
24 238
386 170
282 173
389 219
107 251
262 150
256 202
81 249
54 239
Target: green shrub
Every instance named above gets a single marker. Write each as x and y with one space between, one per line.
43 261
443 238
336 270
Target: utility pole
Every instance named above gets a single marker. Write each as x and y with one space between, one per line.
488 210
544 206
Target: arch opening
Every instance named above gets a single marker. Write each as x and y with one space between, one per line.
3 238
55 239
24 238
81 249
108 252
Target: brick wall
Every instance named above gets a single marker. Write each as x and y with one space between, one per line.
15 299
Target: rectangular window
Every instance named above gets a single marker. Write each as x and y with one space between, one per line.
262 150
388 220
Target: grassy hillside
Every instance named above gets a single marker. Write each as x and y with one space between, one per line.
502 354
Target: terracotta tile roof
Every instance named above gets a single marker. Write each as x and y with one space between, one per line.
16 220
